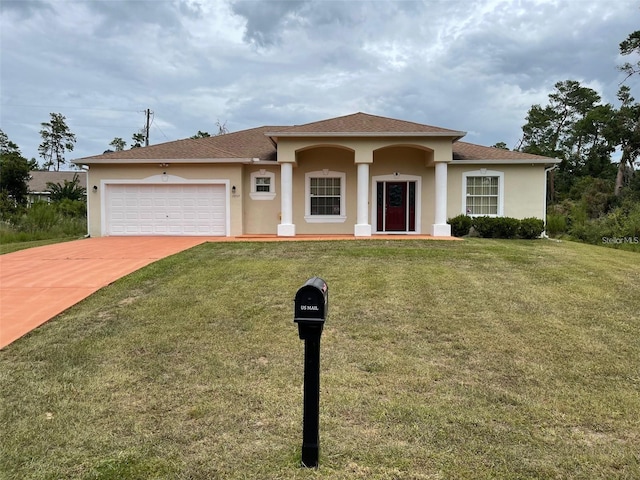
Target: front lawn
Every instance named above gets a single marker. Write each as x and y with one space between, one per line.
475 359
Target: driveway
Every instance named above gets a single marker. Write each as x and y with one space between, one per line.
39 283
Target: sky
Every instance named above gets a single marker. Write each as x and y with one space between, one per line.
470 65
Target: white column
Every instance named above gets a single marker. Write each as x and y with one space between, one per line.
363 227
441 228
286 228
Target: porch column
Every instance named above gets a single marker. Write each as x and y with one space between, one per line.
286 228
363 227
441 228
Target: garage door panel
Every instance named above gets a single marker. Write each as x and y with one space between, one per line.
165 210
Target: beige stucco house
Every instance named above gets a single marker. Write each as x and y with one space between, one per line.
359 174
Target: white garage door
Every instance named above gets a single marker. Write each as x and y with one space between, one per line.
165 210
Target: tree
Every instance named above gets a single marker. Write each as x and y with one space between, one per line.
138 140
626 131
14 172
501 146
71 190
56 139
200 135
222 128
118 144
627 47
568 129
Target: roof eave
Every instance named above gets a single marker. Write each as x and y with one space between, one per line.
133 161
504 161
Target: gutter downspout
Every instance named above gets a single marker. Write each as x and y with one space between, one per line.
85 168
544 216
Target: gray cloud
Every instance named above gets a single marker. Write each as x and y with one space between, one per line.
474 66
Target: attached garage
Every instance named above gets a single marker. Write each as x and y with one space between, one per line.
165 209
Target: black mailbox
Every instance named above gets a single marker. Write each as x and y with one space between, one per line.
310 312
312 302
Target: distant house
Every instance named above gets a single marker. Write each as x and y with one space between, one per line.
38 190
359 174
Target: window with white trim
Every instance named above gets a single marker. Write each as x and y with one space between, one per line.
263 185
325 197
483 193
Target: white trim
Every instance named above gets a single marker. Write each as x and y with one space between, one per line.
483 172
307 197
399 177
159 161
271 194
163 179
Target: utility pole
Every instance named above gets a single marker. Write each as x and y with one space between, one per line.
148 113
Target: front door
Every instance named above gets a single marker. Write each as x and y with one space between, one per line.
396 206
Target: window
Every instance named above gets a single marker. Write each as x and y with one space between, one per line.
483 193
325 199
263 185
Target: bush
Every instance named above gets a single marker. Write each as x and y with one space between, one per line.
71 208
496 227
460 225
43 221
530 228
556 224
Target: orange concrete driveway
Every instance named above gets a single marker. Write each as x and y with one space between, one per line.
39 283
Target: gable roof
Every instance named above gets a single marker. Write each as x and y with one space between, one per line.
38 180
364 124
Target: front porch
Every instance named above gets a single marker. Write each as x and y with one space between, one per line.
368 188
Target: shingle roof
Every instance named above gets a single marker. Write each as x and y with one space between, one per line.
252 143
38 180
470 151
359 123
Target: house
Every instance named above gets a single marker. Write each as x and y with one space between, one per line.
358 174
38 180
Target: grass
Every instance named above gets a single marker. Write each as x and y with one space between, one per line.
23 245
475 359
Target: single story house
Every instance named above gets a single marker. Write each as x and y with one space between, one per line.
358 174
38 180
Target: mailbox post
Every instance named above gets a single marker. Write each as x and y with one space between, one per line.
310 311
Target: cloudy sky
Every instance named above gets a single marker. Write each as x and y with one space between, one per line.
471 65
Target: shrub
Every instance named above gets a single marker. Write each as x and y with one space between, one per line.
460 225
71 208
507 227
483 226
530 228
556 224
496 227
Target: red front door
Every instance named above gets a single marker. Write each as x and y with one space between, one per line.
395 207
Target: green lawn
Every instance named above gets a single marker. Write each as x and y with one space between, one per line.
475 359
